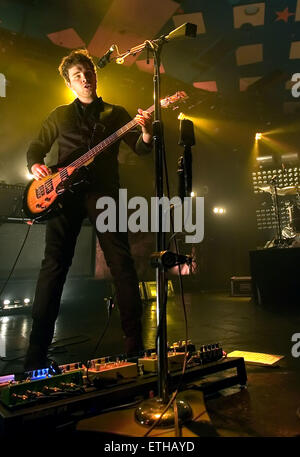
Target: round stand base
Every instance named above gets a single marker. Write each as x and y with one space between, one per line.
150 410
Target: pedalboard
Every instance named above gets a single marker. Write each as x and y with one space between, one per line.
149 363
181 346
43 388
54 399
208 353
120 369
46 384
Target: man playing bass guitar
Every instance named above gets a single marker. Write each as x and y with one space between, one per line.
81 125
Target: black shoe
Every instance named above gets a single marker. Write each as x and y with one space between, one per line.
36 360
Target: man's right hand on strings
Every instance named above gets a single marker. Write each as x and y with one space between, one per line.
39 171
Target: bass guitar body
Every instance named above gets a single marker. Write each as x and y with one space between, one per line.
43 198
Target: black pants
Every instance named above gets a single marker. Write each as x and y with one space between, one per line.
61 236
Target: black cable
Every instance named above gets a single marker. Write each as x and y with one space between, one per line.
104 331
116 408
5 359
110 309
177 252
172 399
54 346
52 350
17 258
162 312
174 234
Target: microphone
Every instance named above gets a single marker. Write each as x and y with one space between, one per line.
187 139
104 60
169 259
185 30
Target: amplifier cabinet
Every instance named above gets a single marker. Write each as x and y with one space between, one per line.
28 266
11 200
276 276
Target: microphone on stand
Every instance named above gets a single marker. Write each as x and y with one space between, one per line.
187 139
185 30
180 174
104 60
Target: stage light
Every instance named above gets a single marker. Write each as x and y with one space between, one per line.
16 303
266 218
193 194
153 291
150 290
181 116
219 211
291 158
258 136
266 160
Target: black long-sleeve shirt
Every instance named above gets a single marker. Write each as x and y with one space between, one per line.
77 128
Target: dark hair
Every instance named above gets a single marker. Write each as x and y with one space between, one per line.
78 56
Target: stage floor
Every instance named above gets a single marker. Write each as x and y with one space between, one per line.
267 407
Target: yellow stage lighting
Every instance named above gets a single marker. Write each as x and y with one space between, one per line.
181 116
149 288
217 210
258 136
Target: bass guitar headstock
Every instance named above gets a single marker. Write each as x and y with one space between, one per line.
179 96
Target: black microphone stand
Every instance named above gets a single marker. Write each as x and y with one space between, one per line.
159 148
159 410
279 240
149 411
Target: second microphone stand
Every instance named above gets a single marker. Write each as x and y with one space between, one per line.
280 241
154 409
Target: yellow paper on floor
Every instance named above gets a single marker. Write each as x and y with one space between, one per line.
257 358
